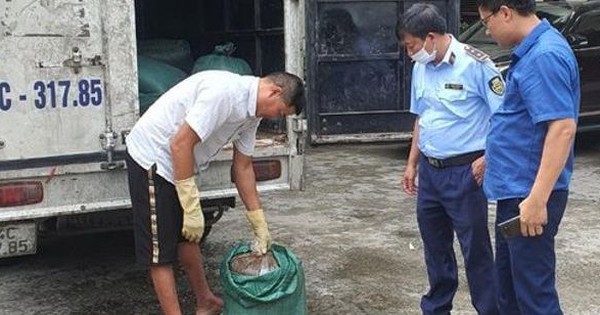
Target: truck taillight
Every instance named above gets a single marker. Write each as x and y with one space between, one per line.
264 170
21 193
267 170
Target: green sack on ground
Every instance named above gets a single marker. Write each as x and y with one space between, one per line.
279 292
221 59
175 52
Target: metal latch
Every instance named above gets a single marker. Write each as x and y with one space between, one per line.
299 128
108 140
299 125
75 60
124 134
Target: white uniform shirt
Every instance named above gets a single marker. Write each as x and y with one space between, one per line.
218 105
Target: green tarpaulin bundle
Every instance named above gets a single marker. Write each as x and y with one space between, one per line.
154 79
221 59
278 292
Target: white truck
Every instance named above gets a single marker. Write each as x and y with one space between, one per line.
69 96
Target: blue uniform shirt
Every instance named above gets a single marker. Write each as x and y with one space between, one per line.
542 85
455 100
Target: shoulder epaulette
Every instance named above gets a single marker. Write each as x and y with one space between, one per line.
476 53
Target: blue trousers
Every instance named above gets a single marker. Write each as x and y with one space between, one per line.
449 200
526 266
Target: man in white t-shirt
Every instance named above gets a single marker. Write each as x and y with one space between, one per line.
205 112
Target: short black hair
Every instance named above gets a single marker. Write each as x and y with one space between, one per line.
292 89
523 7
421 19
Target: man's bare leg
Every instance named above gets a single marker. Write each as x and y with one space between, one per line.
166 291
191 260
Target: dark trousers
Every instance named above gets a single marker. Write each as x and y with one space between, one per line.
526 266
449 200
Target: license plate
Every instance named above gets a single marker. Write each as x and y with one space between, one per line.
17 239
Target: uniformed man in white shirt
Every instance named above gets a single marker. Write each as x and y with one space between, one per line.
205 111
454 91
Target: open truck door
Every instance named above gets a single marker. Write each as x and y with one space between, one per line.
359 77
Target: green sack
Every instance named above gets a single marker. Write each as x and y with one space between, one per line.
221 59
154 79
146 100
278 292
157 77
174 52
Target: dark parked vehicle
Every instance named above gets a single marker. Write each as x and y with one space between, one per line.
579 22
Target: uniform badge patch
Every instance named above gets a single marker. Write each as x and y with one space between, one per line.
497 85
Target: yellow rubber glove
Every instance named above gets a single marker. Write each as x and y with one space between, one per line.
261 230
193 219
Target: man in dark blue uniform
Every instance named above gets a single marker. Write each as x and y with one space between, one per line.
529 154
454 90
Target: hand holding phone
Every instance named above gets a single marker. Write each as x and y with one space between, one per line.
511 228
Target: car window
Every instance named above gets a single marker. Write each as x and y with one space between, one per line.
589 27
556 14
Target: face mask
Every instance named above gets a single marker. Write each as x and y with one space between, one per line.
423 57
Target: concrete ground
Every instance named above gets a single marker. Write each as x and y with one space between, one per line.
352 227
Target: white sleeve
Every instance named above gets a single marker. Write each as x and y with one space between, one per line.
209 111
247 139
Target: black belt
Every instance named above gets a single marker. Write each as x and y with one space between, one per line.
455 160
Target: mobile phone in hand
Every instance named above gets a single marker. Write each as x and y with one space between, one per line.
511 228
